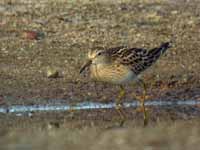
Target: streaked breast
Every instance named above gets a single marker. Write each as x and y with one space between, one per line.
116 74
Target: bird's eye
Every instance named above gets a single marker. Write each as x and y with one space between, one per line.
99 53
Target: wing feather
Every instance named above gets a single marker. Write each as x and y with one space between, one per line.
138 59
132 57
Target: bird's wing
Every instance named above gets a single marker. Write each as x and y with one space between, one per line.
135 58
138 59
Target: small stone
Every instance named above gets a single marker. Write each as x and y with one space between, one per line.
174 12
52 73
191 22
154 16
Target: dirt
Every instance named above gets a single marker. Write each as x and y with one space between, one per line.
70 29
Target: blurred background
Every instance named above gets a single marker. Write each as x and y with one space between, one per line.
43 44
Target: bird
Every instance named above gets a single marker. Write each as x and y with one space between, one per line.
121 66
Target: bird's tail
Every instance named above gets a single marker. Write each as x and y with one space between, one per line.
155 53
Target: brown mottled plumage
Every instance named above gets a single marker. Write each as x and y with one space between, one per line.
137 59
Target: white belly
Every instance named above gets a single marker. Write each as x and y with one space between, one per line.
112 73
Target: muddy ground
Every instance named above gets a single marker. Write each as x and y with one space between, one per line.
37 37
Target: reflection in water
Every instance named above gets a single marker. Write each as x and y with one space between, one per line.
89 105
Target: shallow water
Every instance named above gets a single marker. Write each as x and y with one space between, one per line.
90 106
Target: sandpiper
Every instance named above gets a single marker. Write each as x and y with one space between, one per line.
122 65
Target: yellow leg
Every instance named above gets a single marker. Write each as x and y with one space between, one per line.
119 105
142 99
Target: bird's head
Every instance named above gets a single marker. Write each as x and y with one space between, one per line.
95 57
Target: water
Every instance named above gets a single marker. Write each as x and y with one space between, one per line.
89 106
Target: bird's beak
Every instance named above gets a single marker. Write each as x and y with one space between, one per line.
87 64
